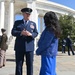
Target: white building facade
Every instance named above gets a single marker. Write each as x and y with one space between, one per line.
10 8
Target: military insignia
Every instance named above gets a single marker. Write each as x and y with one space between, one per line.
32 26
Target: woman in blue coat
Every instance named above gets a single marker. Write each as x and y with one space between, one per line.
48 44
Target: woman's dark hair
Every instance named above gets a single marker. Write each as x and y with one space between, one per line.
51 22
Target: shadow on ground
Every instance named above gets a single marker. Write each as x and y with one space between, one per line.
13 60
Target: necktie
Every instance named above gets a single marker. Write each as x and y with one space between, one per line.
25 23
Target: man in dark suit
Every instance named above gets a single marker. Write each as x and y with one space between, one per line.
69 45
25 32
63 45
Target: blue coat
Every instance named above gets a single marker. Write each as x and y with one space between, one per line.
47 44
24 42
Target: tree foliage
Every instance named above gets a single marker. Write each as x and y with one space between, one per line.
67 24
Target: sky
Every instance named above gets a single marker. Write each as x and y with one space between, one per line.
69 3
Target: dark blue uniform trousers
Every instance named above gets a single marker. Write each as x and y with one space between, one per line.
20 59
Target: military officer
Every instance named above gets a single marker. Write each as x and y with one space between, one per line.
25 32
3 48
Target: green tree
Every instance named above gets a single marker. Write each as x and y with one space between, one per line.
67 24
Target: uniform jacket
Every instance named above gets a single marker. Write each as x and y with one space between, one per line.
24 42
47 44
3 44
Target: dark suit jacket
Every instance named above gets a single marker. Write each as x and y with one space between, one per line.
3 44
24 42
68 42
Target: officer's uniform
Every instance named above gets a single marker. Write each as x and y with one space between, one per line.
3 48
24 45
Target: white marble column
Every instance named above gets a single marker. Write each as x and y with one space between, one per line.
6 16
34 17
11 17
41 24
34 14
2 15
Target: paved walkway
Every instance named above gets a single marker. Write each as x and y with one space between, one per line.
65 64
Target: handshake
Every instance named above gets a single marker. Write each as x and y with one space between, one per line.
26 33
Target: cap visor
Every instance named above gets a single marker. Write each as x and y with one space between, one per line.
27 12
